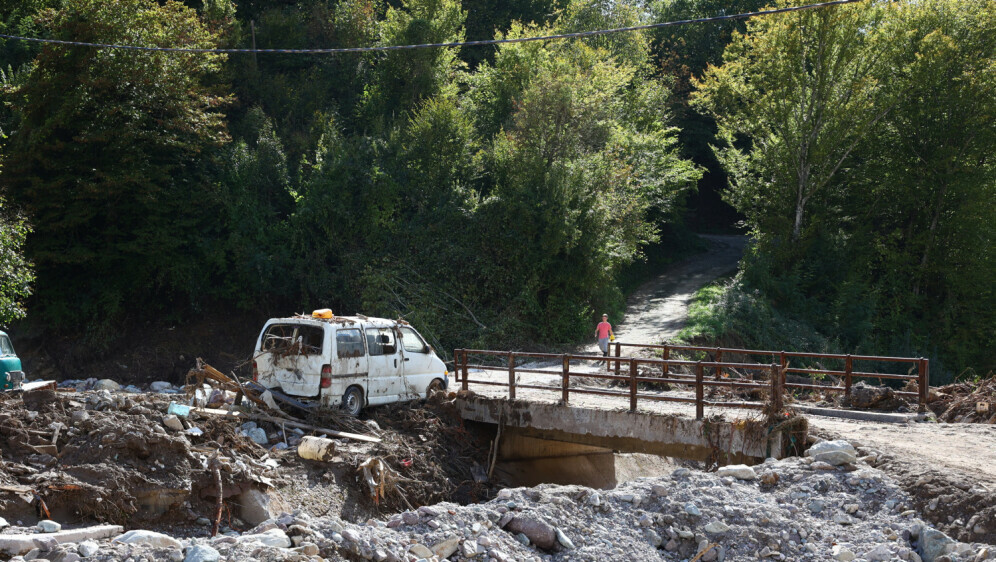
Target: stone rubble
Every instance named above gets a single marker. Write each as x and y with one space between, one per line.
832 504
850 512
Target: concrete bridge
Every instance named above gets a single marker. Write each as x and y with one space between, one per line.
585 430
554 407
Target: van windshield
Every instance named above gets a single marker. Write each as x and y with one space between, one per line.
6 348
293 339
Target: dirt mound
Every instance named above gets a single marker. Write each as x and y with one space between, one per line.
955 503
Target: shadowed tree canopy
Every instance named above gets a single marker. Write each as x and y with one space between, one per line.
112 154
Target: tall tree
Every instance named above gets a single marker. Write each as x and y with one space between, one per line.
926 197
794 96
112 157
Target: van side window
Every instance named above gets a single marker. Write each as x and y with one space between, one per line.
412 341
349 342
293 339
380 341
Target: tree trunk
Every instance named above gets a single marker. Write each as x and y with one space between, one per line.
930 239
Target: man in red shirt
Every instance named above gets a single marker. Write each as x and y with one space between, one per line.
603 331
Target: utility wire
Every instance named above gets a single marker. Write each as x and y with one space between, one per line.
436 45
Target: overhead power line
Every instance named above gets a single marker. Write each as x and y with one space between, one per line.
436 45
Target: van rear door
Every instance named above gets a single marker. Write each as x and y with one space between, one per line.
291 357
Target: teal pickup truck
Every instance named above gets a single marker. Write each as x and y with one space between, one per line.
11 375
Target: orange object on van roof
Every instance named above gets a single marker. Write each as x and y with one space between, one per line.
322 313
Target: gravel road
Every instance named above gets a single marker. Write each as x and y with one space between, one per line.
969 448
658 309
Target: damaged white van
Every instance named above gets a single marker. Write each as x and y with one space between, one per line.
346 361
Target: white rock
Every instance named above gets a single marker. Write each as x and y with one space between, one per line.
160 386
841 553
717 528
173 422
150 538
692 509
446 548
880 553
87 549
564 540
834 453
3 523
49 526
739 471
273 537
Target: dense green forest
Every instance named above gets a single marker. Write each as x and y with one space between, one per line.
502 195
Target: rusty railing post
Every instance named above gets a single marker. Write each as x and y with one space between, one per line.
511 375
699 405
466 384
719 359
667 357
847 377
776 388
618 353
783 359
924 372
632 385
566 383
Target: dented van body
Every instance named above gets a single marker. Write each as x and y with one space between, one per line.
347 361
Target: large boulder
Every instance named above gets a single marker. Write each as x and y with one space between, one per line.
834 453
540 533
106 384
933 544
257 506
865 396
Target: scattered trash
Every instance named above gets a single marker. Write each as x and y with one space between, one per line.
178 410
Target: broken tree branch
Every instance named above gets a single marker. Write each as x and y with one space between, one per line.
216 466
330 432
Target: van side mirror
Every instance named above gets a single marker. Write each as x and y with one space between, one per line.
384 339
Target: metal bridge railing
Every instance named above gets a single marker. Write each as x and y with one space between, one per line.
625 370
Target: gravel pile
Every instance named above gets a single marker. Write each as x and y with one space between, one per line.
829 505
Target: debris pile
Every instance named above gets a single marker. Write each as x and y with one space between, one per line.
965 402
117 457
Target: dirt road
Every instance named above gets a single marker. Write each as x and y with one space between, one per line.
970 448
657 310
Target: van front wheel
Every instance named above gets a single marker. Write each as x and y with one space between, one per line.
435 386
352 401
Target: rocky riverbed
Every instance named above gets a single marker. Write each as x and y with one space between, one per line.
829 505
